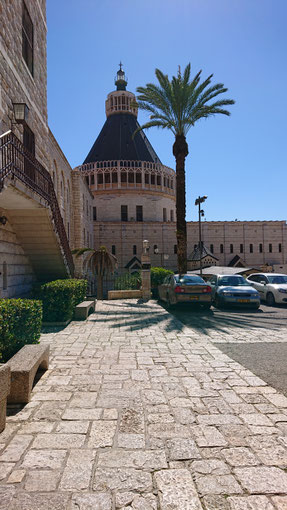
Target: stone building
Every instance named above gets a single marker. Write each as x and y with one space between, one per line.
121 195
135 200
45 207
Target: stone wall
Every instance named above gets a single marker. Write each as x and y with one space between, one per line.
82 200
16 273
16 81
109 205
125 236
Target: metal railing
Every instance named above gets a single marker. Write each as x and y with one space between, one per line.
17 162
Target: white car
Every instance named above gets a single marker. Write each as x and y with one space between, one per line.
272 287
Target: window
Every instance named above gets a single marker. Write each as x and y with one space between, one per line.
164 214
123 177
152 179
155 248
94 213
5 275
107 178
158 180
146 178
171 215
134 249
260 248
251 248
211 248
175 249
270 248
27 39
87 180
92 179
100 179
280 247
138 178
221 248
131 177
241 248
124 213
113 249
139 212
231 248
114 177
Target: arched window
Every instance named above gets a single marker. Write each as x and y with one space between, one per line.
155 248
113 249
211 248
251 248
171 215
280 247
134 249
231 248
270 248
221 248
260 248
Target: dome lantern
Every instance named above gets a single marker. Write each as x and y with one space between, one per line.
121 80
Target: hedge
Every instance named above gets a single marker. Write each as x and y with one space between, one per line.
157 275
60 298
20 324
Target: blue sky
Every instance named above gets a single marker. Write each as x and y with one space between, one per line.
239 162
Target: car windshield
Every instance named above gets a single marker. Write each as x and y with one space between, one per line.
189 280
232 281
277 279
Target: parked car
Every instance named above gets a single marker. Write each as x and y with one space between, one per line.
272 287
185 289
233 290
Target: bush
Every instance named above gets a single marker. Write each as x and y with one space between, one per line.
20 324
60 298
157 275
128 282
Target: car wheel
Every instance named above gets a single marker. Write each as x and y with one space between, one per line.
217 302
270 299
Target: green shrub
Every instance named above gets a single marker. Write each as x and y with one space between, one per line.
128 282
157 275
20 324
60 298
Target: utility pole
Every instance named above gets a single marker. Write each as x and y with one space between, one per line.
198 202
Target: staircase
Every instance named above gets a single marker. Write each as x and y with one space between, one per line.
27 194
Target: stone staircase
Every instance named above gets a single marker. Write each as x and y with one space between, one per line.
27 195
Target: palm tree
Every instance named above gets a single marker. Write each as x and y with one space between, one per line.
100 261
177 105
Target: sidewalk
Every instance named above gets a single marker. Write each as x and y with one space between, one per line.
137 411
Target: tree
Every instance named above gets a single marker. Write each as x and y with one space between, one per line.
100 261
177 105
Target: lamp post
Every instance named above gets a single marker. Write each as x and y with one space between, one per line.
163 256
198 202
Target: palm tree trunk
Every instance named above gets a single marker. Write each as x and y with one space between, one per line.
100 286
180 151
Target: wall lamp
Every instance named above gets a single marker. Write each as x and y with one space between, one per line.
3 220
21 112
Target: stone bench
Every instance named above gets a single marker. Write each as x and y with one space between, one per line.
5 377
82 310
24 366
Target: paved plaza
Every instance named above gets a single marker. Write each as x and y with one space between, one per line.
141 412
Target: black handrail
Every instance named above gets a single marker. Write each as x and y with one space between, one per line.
17 162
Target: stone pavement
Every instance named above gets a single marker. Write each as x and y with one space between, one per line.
139 412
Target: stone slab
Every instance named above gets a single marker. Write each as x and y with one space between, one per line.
177 490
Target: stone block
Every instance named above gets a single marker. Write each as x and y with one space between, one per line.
4 392
82 310
24 366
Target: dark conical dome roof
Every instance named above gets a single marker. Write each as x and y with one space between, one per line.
115 141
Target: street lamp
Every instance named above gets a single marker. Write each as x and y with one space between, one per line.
21 112
198 202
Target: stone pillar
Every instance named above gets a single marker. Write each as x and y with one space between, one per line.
5 382
145 273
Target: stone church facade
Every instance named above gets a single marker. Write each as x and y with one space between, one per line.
121 195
